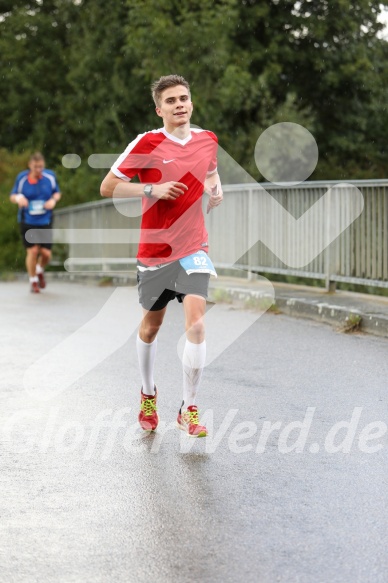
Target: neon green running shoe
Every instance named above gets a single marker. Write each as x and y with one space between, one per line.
188 421
148 416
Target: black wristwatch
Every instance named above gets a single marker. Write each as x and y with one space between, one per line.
148 190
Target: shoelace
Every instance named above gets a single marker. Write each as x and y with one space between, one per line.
148 406
192 417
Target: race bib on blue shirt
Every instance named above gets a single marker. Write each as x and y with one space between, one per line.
36 207
199 262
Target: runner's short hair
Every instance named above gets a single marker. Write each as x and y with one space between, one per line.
36 157
165 82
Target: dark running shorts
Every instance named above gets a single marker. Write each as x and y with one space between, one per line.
44 240
157 288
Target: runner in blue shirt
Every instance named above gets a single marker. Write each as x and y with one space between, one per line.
36 192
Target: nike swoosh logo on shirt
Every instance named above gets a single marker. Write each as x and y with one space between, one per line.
168 161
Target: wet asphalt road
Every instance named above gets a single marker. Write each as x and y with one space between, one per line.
86 498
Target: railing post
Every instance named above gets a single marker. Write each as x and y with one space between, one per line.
251 276
329 254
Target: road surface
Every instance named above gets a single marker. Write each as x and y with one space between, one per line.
85 497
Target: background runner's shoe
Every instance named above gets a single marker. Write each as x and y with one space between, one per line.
34 287
148 417
42 281
188 421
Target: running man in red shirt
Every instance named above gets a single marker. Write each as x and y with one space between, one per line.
175 165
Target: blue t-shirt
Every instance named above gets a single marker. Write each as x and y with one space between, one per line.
37 194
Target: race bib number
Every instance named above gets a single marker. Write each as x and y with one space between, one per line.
198 262
36 207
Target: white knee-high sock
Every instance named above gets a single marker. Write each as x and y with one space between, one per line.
194 357
146 354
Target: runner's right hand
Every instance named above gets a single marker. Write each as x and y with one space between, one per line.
169 190
22 201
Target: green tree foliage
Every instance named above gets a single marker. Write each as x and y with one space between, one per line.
96 104
33 49
255 63
76 74
11 251
334 65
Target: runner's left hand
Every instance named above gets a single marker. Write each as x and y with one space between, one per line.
50 204
215 200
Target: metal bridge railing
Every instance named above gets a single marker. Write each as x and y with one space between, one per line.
358 255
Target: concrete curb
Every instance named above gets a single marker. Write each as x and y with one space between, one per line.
328 312
331 314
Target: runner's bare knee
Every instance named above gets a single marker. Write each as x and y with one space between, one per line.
151 324
33 251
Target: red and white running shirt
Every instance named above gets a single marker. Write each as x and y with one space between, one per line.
170 229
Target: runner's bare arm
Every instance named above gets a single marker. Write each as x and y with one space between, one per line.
19 199
51 202
114 186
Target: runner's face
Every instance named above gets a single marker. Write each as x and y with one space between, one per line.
36 167
175 106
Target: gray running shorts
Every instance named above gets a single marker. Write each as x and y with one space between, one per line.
157 288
